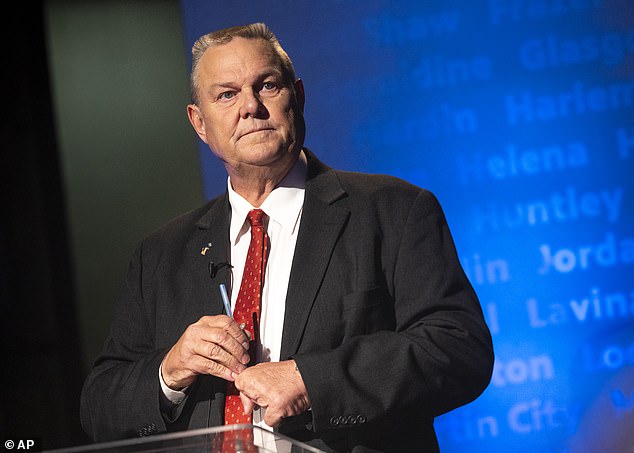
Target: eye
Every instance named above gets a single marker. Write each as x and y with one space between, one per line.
227 95
269 87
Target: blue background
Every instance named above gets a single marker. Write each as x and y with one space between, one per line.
519 116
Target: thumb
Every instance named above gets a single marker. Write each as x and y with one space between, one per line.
247 403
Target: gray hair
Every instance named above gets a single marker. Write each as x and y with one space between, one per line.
220 37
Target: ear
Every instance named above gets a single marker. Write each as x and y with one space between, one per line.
197 121
300 94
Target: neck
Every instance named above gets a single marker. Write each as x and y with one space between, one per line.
255 183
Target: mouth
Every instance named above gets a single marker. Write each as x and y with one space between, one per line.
255 131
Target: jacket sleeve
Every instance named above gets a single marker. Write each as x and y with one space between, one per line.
435 356
120 397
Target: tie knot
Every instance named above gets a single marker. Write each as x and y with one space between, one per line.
255 217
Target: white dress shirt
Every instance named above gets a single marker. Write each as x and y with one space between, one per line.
283 208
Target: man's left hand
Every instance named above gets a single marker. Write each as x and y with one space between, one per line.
277 386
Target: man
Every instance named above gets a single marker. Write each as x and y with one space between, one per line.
366 327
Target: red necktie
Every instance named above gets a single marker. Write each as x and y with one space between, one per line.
247 309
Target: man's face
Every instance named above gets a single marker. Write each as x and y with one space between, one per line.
248 114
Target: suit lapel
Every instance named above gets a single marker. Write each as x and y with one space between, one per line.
210 244
321 224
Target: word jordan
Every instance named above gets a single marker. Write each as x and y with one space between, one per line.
608 253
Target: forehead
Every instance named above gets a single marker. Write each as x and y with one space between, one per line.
239 57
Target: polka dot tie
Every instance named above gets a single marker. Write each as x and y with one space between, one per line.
247 309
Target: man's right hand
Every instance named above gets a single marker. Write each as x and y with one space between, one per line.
213 345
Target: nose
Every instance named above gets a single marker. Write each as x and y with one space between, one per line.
250 104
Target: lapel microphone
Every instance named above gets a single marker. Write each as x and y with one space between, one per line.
214 268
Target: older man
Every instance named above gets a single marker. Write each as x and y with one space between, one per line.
352 323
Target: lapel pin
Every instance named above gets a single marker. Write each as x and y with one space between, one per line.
205 249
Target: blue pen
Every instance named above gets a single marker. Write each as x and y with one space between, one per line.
225 300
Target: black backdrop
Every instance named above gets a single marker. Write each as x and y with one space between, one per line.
41 369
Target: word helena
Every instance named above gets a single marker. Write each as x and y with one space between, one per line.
514 162
608 253
591 307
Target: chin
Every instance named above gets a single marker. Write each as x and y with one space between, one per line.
259 150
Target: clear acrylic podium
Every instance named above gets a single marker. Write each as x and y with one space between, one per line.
221 439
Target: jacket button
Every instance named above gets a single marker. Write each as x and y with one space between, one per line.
147 430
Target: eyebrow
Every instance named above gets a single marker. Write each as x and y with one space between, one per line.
218 88
221 85
272 73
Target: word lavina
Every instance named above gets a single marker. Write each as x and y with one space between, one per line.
590 307
608 253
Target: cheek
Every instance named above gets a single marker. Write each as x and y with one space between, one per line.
220 130
285 118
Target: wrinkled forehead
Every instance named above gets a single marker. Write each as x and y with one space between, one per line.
241 56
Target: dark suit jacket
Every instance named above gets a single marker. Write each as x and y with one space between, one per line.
384 326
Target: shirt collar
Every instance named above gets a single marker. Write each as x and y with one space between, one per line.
283 205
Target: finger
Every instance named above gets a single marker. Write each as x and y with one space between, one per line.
228 325
249 385
247 403
272 417
225 339
217 353
201 365
243 336
212 345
